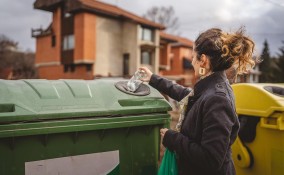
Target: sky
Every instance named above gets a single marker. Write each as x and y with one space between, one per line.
263 19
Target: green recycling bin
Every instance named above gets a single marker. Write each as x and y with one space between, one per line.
78 127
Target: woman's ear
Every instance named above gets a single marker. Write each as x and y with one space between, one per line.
204 61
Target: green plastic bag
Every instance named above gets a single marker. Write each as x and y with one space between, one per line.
169 164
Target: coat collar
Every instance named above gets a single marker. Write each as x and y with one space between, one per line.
208 82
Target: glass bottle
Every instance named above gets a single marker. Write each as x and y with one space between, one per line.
135 80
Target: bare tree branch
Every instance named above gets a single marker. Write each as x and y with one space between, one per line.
165 16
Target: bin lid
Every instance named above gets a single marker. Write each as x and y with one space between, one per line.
36 100
259 99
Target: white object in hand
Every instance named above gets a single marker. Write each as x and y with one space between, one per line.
135 80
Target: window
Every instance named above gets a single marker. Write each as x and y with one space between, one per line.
253 78
126 64
187 63
89 67
53 40
68 42
73 67
66 68
146 34
146 57
69 67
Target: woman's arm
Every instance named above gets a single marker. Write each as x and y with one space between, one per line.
165 86
175 91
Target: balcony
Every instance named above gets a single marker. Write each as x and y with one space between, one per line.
41 32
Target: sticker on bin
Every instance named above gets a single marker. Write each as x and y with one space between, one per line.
103 163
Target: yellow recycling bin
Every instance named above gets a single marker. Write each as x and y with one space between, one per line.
259 148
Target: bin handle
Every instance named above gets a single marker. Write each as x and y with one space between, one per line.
242 158
279 124
7 108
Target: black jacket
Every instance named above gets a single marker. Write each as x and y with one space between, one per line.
203 146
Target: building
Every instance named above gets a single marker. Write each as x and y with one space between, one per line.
176 58
88 38
251 77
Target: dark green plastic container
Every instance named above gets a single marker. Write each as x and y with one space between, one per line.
78 127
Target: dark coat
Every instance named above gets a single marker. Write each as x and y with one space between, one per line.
203 146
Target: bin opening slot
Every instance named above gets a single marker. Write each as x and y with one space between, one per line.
142 90
7 108
275 90
247 132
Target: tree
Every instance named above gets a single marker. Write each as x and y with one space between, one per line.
7 44
15 64
266 65
165 16
280 63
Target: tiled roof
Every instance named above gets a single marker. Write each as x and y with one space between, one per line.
97 7
116 11
178 41
168 37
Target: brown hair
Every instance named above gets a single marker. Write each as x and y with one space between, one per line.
226 49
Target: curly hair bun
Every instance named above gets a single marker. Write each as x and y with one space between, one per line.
226 49
237 49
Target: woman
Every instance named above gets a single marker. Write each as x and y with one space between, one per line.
209 125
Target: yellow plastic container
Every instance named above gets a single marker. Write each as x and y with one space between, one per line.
259 148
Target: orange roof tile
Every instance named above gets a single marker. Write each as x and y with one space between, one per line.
168 37
94 6
116 11
180 41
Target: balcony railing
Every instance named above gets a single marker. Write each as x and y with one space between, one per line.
41 32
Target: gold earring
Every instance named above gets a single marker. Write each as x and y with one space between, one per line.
201 71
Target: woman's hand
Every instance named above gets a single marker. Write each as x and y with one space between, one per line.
148 74
163 131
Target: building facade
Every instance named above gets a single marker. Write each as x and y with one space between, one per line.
89 38
176 58
251 77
